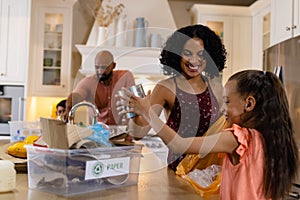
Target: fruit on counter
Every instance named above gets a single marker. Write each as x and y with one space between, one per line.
18 149
31 139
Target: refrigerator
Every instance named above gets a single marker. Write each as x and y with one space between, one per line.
284 60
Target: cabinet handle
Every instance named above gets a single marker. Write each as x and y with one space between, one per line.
294 26
287 28
21 101
63 86
2 74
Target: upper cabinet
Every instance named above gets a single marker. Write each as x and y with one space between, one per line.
261 23
51 48
245 32
285 20
14 41
234 25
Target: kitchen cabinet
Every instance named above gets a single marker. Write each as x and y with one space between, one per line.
51 48
285 20
14 41
266 31
234 25
261 22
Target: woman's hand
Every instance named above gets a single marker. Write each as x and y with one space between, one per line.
130 103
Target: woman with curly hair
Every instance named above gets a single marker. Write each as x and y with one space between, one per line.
193 56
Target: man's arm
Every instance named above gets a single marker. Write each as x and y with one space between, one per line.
72 99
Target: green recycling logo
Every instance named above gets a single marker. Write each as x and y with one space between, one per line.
98 169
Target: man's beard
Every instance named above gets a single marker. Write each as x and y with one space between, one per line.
104 77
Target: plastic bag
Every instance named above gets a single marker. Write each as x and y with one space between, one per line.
193 161
101 134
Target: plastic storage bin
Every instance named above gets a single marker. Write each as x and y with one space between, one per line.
73 172
19 130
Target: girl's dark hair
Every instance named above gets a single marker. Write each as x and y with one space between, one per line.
271 118
215 53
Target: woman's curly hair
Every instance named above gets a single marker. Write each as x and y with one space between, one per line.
215 52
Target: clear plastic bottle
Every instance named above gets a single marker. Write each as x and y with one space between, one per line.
7 176
207 176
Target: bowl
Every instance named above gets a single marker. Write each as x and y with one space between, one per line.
48 61
54 44
59 28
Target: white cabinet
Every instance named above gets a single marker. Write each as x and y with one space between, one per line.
296 22
261 11
14 41
51 48
234 25
285 20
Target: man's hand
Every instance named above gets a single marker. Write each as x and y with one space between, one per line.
72 99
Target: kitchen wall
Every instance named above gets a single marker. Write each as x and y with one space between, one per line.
181 12
41 107
157 12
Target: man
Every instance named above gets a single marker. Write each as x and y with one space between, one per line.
101 88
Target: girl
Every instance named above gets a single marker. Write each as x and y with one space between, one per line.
261 154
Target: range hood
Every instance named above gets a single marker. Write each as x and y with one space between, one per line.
140 60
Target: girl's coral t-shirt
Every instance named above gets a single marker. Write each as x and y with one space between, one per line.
244 180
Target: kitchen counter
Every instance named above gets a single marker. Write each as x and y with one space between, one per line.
4 139
161 184
156 181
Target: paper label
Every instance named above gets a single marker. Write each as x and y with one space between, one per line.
107 168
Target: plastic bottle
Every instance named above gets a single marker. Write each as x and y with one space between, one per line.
7 176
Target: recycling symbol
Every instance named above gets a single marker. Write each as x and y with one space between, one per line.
98 169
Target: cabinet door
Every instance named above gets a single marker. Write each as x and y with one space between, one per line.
14 39
51 51
222 25
261 36
281 20
296 22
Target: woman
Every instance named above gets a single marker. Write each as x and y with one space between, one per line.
193 56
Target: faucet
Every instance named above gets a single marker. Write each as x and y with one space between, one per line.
74 108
